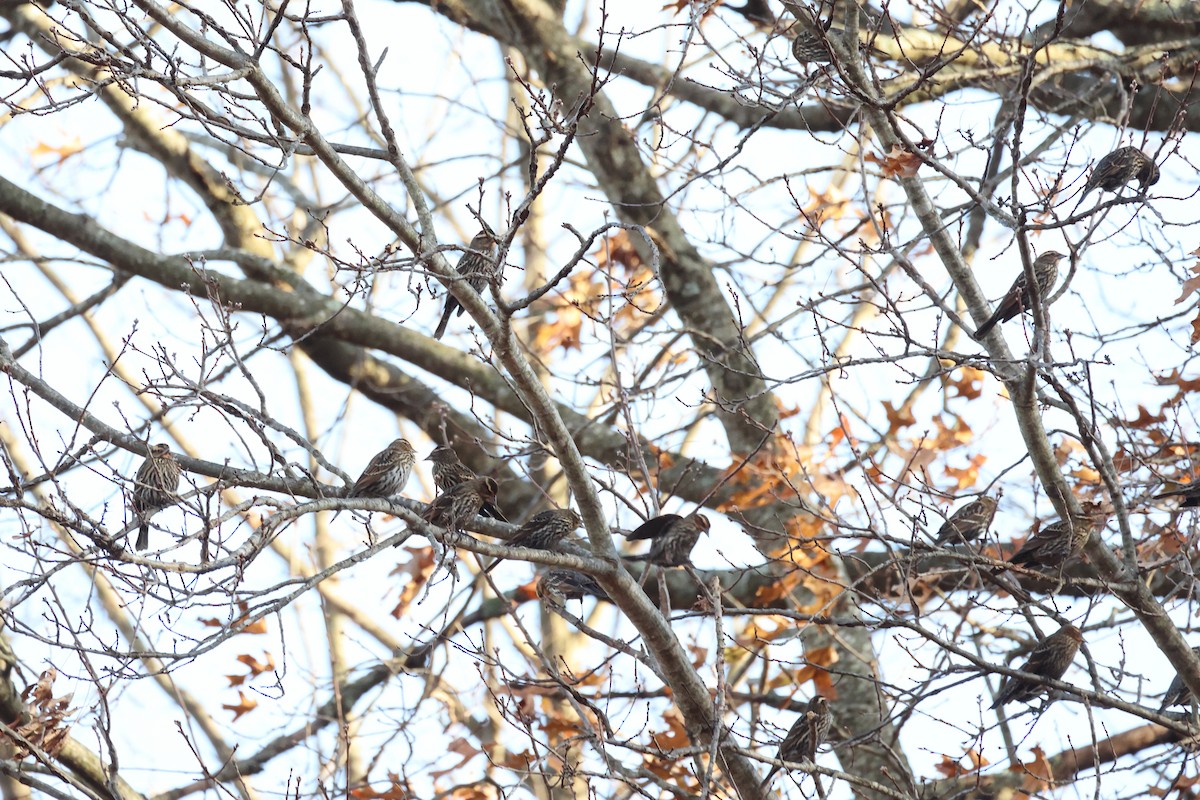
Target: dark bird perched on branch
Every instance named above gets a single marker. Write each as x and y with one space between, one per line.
672 538
969 522
1054 543
476 265
453 509
807 734
1050 659
387 472
154 489
1120 167
557 585
449 471
545 530
1177 693
756 11
1019 299
1189 493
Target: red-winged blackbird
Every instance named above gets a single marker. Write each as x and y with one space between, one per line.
154 488
568 584
1120 167
455 508
449 471
1050 659
1018 298
672 538
386 473
809 47
969 522
545 530
1177 693
476 265
1053 544
807 734
1189 493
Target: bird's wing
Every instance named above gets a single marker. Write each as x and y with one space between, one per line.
653 527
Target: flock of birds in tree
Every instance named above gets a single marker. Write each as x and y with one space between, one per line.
461 495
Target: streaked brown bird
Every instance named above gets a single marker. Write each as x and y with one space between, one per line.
810 48
1120 167
1019 299
1177 693
558 585
672 538
545 530
1054 543
805 736
968 523
452 510
1189 493
477 265
449 471
154 489
1050 659
387 472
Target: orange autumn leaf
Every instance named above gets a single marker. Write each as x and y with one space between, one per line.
417 570
258 627
1038 772
949 437
1190 286
674 736
898 418
396 791
968 476
898 162
968 384
774 590
1145 419
257 667
617 250
459 747
1185 385
61 151
44 720
244 706
952 768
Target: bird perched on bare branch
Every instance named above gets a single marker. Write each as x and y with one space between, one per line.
557 585
672 538
1018 299
1120 167
1054 543
756 11
969 522
545 530
449 471
1190 495
810 47
1050 659
1177 693
453 509
807 734
387 472
154 489
477 265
